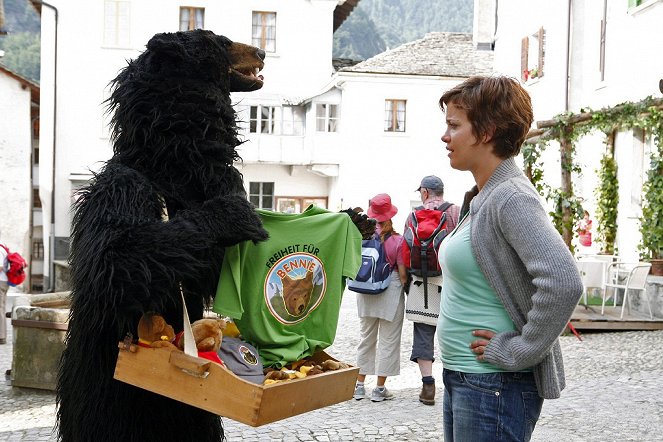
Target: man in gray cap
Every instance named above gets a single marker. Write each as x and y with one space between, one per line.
425 314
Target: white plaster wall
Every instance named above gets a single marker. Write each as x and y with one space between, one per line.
518 19
15 151
374 161
288 180
85 67
633 69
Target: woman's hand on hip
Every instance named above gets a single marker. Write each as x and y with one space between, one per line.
478 346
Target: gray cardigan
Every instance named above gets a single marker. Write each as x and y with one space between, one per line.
532 271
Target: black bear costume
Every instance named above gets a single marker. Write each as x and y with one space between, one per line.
174 143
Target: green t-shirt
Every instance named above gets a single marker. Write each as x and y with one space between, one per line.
468 304
285 293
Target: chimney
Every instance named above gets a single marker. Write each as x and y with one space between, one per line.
485 21
3 30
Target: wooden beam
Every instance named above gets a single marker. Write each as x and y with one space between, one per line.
586 116
566 160
534 133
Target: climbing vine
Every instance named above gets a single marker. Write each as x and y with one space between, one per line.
651 222
567 128
607 200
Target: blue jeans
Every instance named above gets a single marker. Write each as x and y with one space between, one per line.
489 407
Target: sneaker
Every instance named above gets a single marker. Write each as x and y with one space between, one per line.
379 396
360 392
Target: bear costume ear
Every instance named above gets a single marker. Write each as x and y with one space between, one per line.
167 45
190 51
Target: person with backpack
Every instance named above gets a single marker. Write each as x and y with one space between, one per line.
12 273
424 288
4 286
510 283
381 314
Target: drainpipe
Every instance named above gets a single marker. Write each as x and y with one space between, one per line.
51 282
568 57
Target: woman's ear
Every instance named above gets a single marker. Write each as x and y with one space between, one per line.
489 134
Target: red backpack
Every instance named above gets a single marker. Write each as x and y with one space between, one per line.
16 267
425 230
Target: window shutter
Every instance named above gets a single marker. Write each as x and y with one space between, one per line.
524 48
542 51
602 51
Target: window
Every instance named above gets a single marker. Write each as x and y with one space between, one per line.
294 204
261 119
261 195
264 30
276 120
35 141
38 249
293 120
394 115
532 53
191 18
326 117
36 201
116 23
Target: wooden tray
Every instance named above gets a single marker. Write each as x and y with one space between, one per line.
205 384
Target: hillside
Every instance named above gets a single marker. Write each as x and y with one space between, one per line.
377 25
22 42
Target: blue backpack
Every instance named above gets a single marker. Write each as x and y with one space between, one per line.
374 274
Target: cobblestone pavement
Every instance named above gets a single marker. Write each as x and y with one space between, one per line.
614 393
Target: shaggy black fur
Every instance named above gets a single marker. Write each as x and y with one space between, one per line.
174 139
365 224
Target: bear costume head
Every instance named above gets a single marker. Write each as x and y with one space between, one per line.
172 116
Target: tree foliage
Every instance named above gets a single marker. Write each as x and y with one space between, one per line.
377 25
22 43
22 54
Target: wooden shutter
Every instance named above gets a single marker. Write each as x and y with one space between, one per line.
524 48
602 41
542 51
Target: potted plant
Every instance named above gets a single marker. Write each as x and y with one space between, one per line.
651 222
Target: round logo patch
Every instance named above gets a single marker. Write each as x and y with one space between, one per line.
294 287
248 355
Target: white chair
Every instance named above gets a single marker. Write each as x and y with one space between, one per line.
633 276
592 274
592 268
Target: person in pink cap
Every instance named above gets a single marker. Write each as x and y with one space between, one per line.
381 315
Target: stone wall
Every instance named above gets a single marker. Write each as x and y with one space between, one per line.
38 342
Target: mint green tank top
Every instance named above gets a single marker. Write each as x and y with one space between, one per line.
468 304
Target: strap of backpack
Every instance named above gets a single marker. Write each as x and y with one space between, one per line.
424 261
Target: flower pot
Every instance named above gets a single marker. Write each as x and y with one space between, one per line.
585 239
656 267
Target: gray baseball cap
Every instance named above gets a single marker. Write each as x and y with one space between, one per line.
242 359
432 182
